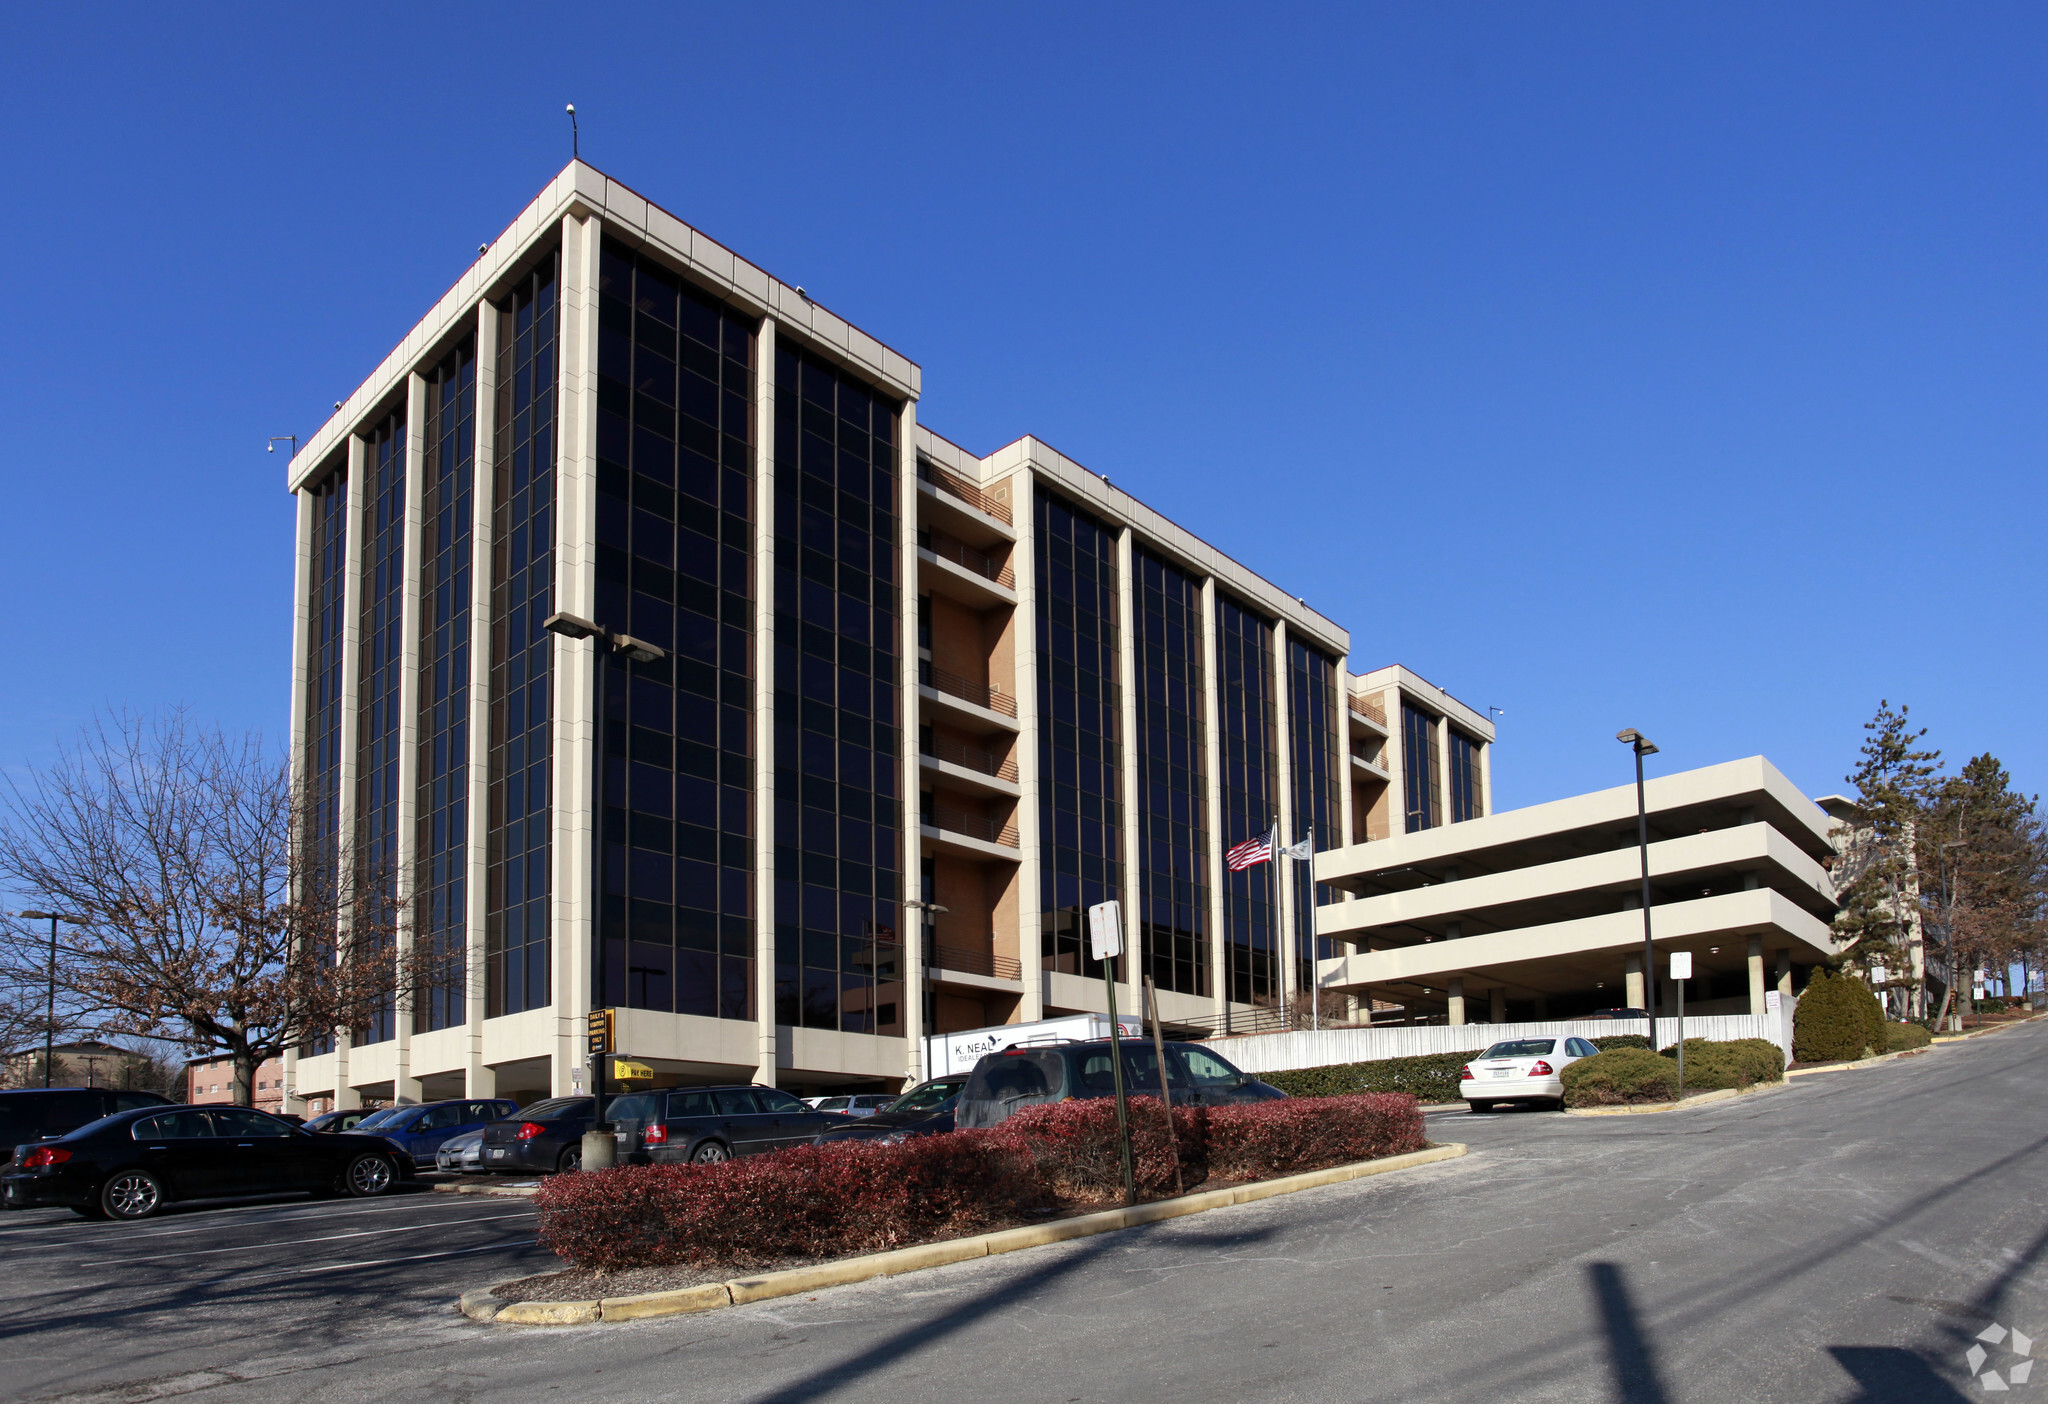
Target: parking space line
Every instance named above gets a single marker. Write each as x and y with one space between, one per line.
386 1262
87 1231
295 1243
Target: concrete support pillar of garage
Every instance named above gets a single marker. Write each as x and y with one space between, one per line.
1499 1010
1632 968
1456 992
1785 972
1756 975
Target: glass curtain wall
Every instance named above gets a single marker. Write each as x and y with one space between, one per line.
326 627
1172 777
1312 736
1079 755
1468 791
838 723
441 845
378 673
522 597
1247 724
675 550
1421 775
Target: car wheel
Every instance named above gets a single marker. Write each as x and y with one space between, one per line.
368 1176
1479 1108
571 1161
711 1153
132 1194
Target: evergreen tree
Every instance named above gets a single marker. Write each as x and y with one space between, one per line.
1985 841
1878 877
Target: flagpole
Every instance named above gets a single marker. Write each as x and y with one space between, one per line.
1315 974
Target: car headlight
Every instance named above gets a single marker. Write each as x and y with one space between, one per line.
893 1138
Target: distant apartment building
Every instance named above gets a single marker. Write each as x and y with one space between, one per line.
213 1080
675 667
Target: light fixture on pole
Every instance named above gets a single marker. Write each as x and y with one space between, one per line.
50 1011
599 1145
1643 746
276 439
927 913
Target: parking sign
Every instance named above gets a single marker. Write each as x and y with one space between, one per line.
1105 930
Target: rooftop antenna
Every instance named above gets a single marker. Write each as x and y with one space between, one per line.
276 439
575 137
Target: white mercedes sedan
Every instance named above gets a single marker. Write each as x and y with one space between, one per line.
1521 1070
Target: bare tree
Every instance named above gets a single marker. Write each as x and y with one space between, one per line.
215 907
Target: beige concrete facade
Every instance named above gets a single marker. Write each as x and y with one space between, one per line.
1539 908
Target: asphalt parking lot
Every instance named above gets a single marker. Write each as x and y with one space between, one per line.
88 1304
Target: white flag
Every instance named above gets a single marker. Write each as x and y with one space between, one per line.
1305 849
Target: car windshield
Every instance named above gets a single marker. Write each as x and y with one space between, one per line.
929 1097
1522 1048
382 1118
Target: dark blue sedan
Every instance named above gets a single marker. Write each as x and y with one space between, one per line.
419 1130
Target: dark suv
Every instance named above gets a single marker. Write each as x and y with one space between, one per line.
1021 1077
705 1124
45 1113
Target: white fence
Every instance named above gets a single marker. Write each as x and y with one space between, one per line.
1280 1052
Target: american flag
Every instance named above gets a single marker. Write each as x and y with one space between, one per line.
1252 852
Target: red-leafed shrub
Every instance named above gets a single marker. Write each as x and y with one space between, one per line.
810 1202
1262 1139
862 1197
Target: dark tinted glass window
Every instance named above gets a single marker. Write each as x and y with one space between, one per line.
442 799
380 667
838 738
1312 734
173 1126
557 1108
1248 716
774 1100
681 1104
326 628
21 1117
1468 796
246 1125
1421 774
1173 858
129 1101
734 1102
675 567
1206 1068
1080 753
522 597
636 1106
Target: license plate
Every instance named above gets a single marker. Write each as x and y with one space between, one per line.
1503 1072
497 1155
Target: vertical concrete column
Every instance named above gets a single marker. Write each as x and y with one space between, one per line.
1030 897
574 760
1756 975
479 1078
302 638
1441 744
1346 791
1456 993
345 1098
1785 973
1132 895
764 703
405 1083
913 832
1286 878
1633 980
1212 800
1497 1008
1486 778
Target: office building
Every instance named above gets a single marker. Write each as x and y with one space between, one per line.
671 665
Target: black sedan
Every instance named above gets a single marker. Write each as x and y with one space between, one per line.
925 1110
130 1164
546 1136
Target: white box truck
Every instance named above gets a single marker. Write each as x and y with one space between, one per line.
959 1052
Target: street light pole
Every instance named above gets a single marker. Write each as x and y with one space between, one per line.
599 1144
1642 746
927 913
50 1008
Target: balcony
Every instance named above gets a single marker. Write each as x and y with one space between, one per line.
955 820
1367 709
961 490
1373 760
968 757
975 706
964 961
971 558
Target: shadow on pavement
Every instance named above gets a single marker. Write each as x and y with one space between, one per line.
1630 1354
1892 1375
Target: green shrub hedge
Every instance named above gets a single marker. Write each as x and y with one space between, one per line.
1900 1037
1431 1078
1837 1018
1620 1041
1621 1075
1736 1063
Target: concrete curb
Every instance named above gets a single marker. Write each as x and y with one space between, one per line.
506 1191
1859 1063
1697 1099
483 1305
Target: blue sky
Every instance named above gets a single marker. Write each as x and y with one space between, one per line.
1669 367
